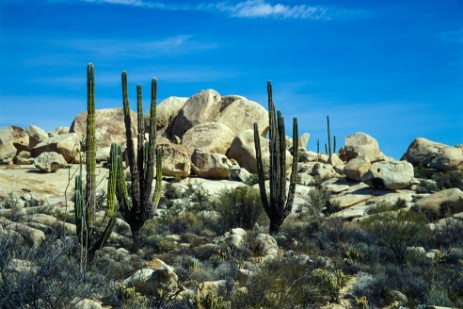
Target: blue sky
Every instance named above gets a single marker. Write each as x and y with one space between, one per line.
392 69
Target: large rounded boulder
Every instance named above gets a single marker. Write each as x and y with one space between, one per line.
200 108
12 140
166 112
360 144
443 157
109 126
209 137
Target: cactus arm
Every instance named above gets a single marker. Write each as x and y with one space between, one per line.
79 208
140 141
281 160
152 153
90 190
130 148
329 137
293 177
158 186
260 171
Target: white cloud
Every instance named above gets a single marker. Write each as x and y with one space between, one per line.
247 9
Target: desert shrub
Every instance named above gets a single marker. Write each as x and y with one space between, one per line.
441 181
386 206
281 284
319 198
9 201
397 231
239 207
45 277
438 296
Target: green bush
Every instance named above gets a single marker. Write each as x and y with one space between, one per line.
240 207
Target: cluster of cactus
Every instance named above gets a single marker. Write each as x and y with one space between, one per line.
278 205
90 236
141 204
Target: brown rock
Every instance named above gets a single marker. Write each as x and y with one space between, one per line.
200 108
443 203
210 165
209 137
49 162
241 115
109 126
166 112
360 144
36 135
12 140
175 160
356 168
68 145
435 155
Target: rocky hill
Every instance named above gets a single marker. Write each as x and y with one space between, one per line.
365 229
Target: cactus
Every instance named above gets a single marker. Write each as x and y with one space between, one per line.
90 237
141 205
329 136
278 206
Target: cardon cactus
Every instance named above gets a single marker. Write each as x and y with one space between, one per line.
278 205
89 236
143 160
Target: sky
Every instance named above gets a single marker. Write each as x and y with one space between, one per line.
392 69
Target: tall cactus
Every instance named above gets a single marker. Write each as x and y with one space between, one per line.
141 204
90 236
278 205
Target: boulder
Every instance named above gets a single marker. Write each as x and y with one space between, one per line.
12 140
103 154
241 115
87 303
443 203
24 158
59 131
392 175
166 111
36 135
236 238
175 160
357 167
266 245
210 165
242 150
200 108
68 145
360 144
49 162
323 170
153 277
209 137
435 155
109 126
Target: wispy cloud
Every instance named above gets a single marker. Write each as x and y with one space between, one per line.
454 36
247 9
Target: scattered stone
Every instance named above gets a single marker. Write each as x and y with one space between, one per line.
266 245
155 276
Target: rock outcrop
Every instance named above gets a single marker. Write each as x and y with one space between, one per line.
209 137
166 112
360 144
67 145
443 157
109 126
210 165
12 140
392 175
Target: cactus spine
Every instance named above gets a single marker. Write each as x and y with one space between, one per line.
90 238
278 206
141 205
